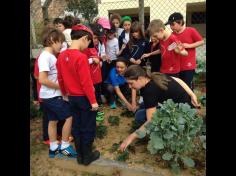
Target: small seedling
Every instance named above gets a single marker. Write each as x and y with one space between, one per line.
134 126
202 100
127 113
114 120
123 156
101 131
114 148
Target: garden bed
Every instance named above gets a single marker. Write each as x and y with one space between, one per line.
139 157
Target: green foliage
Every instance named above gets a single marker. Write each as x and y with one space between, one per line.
202 100
127 113
123 156
101 131
114 147
201 66
114 120
172 131
134 126
34 111
87 8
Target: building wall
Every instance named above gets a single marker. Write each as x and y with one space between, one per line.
161 9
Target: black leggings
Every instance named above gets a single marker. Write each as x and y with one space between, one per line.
110 92
187 77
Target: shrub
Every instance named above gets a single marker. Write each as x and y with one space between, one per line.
172 131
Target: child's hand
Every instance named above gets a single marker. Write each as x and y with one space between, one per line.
123 46
65 98
108 59
145 55
134 107
132 60
137 62
94 107
180 46
104 57
186 45
96 60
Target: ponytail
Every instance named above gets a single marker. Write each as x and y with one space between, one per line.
135 71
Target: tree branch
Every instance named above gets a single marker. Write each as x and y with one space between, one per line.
46 3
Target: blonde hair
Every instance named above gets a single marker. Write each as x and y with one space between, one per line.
155 26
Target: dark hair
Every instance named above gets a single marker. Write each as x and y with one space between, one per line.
76 21
58 21
133 72
112 30
115 16
68 22
121 59
75 34
51 35
180 22
135 27
97 29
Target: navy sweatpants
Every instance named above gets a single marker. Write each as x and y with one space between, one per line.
84 120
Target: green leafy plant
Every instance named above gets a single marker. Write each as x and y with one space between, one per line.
201 65
114 120
35 112
172 131
123 156
134 126
202 100
101 131
127 113
114 147
200 76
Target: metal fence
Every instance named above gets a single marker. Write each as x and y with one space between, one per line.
194 12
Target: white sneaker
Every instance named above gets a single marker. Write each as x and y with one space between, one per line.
140 100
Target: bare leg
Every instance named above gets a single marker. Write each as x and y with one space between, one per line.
52 131
66 130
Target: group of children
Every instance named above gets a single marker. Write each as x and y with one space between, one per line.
82 66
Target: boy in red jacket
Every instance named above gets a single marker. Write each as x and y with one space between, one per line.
190 39
75 82
171 48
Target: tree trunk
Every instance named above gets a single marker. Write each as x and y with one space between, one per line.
45 11
141 13
33 31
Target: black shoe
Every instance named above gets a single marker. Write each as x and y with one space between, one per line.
88 155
